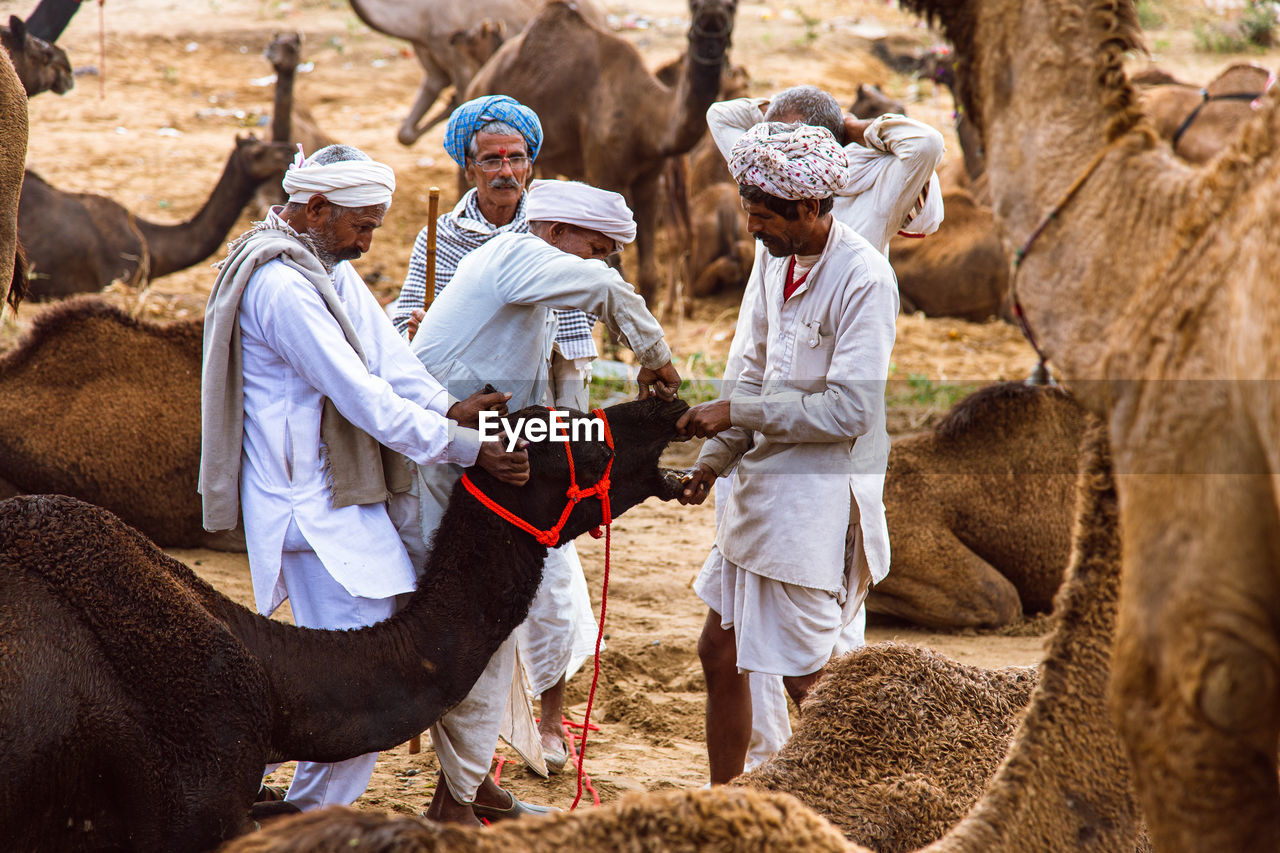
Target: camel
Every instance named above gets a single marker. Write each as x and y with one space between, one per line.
291 124
78 242
1200 122
893 745
138 705
980 510
1174 348
869 101
99 406
13 157
622 124
958 271
443 37
41 66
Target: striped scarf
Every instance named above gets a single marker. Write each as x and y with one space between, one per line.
463 230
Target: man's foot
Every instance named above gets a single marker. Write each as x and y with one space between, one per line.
554 751
516 808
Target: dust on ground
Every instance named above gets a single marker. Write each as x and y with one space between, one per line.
152 125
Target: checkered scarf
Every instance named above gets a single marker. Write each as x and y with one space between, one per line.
468 118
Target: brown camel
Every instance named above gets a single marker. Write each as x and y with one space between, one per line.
41 66
13 158
1200 123
438 31
105 408
894 746
1175 348
958 271
726 820
980 510
79 242
138 705
870 101
622 124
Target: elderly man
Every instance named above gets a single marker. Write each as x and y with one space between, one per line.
308 398
894 187
495 324
495 140
806 415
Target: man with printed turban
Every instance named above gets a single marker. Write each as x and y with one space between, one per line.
892 187
495 324
306 391
803 533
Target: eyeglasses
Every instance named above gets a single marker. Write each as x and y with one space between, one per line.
494 164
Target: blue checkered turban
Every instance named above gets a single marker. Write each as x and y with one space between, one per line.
474 114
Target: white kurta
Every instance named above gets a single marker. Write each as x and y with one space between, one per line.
809 419
294 355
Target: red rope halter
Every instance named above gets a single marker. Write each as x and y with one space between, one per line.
551 538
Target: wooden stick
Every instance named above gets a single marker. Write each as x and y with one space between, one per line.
433 213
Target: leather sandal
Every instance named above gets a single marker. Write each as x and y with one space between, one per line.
516 809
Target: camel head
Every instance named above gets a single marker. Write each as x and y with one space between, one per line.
480 42
41 66
284 52
262 160
872 102
710 30
640 429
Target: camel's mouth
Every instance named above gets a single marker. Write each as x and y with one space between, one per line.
673 482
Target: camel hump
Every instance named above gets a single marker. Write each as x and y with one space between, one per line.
554 19
1243 78
996 408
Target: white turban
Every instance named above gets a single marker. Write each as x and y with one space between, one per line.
582 205
790 161
346 183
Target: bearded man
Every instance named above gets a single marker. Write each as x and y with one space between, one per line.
800 542
310 403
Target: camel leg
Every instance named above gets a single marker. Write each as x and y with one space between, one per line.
433 84
937 581
1197 675
644 200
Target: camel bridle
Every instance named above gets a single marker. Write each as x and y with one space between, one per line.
551 538
713 26
1206 98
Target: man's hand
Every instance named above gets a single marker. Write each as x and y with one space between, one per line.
705 420
664 381
698 486
510 468
415 320
467 412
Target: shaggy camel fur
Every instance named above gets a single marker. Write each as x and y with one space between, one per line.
1175 348
41 66
79 242
913 742
1198 122
442 33
138 705
1062 788
13 158
561 51
105 408
726 820
980 509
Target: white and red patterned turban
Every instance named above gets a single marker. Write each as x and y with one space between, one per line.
790 161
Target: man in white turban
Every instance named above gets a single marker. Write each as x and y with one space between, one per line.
495 324
799 542
306 391
893 188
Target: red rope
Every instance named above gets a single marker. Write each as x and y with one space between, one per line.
595 677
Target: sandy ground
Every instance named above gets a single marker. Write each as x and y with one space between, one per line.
183 77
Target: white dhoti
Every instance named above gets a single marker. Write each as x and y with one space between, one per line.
319 601
570 378
560 630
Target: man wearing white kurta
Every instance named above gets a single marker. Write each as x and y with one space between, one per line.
800 543
894 160
495 324
305 384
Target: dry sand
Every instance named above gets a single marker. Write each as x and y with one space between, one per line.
183 77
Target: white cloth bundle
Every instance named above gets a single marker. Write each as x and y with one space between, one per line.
583 205
347 183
